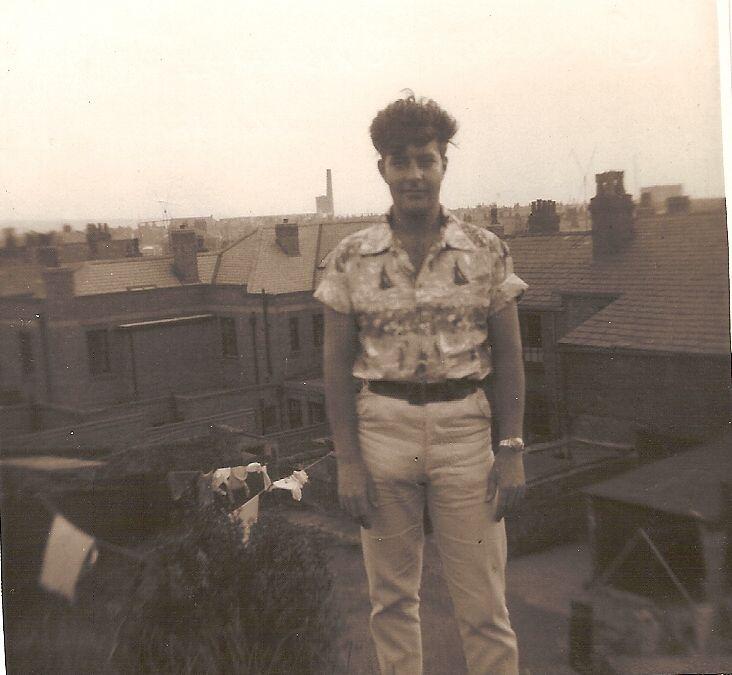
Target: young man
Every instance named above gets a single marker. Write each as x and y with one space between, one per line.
422 309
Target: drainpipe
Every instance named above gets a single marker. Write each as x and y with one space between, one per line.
253 327
43 325
135 390
267 354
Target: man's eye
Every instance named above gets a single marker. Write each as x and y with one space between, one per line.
426 163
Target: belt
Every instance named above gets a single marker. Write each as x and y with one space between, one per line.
419 393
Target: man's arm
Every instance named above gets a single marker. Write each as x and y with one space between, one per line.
355 489
507 475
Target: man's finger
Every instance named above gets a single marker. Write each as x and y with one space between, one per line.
357 506
510 502
500 509
513 497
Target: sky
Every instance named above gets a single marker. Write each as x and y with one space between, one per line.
118 110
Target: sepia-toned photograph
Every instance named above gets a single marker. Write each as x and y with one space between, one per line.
386 338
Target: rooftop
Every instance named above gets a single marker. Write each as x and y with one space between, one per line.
686 484
667 292
671 285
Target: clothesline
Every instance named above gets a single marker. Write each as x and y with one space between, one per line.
67 542
268 488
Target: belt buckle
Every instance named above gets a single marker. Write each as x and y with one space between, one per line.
418 393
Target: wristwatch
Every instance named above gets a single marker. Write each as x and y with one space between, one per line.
514 444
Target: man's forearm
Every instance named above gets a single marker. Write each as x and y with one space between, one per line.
340 399
508 393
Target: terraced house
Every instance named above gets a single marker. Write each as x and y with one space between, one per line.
625 332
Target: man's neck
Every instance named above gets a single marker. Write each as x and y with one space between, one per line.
423 226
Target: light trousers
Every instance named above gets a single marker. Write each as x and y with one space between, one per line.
439 454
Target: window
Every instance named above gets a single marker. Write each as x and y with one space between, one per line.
229 346
25 347
318 330
531 338
294 334
316 412
294 413
97 345
269 419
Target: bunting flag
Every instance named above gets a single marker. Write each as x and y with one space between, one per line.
256 467
68 549
294 483
247 514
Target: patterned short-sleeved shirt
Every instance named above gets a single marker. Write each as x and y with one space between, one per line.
428 326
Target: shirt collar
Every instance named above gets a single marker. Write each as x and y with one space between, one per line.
379 238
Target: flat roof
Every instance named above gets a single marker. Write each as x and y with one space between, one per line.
687 484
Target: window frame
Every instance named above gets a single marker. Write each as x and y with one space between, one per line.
229 337
320 418
294 413
532 339
294 334
318 321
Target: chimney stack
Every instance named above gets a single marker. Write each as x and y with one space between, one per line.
59 283
286 236
612 215
543 218
185 255
47 256
678 204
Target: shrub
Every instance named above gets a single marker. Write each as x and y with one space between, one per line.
205 603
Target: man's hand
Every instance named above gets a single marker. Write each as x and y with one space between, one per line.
508 480
356 490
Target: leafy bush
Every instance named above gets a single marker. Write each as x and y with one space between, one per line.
205 603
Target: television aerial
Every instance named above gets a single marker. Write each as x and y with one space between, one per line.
584 171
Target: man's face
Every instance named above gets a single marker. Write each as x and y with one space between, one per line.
414 176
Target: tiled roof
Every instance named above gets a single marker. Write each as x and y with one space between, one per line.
258 261
115 276
276 272
668 291
671 285
207 266
236 261
21 280
97 277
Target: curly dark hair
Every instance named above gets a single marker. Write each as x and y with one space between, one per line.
411 121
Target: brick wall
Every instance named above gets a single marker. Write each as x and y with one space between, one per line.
682 396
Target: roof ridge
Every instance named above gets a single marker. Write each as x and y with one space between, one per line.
238 241
140 258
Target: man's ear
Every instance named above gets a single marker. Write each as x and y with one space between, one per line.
380 164
444 163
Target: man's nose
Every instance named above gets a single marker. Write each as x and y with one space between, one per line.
414 171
